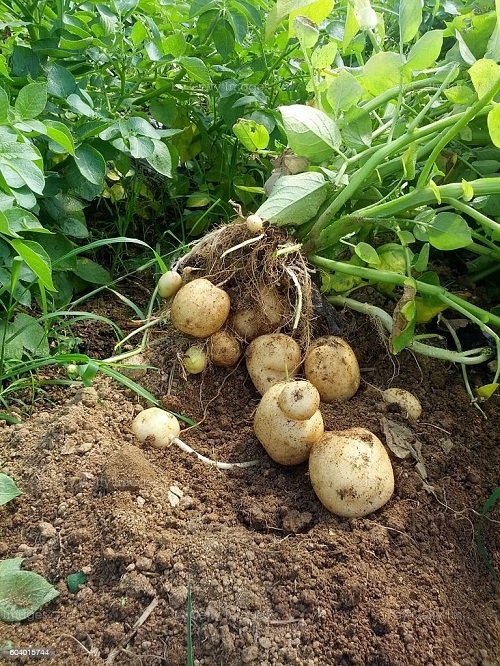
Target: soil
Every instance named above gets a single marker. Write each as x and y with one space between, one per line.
272 576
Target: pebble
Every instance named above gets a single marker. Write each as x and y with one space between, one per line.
47 530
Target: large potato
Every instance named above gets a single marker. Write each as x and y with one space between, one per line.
287 441
331 365
272 358
351 472
199 308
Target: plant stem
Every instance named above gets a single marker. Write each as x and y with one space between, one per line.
317 239
482 354
483 317
454 130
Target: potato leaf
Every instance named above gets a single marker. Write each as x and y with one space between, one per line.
449 231
8 489
311 133
294 199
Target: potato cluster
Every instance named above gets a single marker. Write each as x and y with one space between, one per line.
350 470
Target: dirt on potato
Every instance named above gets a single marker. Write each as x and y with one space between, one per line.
273 577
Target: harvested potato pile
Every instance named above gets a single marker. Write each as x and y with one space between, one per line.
245 292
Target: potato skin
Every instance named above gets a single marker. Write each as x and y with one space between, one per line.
199 308
286 441
408 403
332 367
224 349
272 358
351 472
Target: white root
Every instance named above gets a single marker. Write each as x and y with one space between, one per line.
249 241
298 311
208 461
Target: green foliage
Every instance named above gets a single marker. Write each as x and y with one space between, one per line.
400 130
22 593
8 489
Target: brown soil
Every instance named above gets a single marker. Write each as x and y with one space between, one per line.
274 578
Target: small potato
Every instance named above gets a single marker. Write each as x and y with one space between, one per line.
332 367
267 316
199 308
408 404
287 441
299 400
169 284
224 349
272 358
351 472
156 427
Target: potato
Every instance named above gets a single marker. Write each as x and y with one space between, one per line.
169 284
272 358
287 441
199 308
351 472
266 317
155 426
331 365
299 400
408 404
224 349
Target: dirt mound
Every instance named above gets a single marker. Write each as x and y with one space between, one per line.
274 578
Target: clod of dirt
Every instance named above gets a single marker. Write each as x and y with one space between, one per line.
127 469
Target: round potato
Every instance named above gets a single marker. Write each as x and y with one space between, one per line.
224 349
286 441
272 358
408 404
331 365
199 308
351 472
299 400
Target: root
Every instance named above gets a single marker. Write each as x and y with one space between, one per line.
244 263
208 461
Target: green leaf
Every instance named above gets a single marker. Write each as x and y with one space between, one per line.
8 491
424 53
294 199
196 69
36 258
90 271
161 159
174 45
484 74
251 134
468 191
90 164
382 72
459 94
31 100
26 335
409 159
60 81
306 31
59 133
487 390
404 320
10 565
74 580
223 38
19 220
323 56
4 106
22 593
344 91
410 18
366 16
316 10
311 133
367 253
449 231
421 260
494 125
